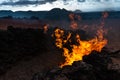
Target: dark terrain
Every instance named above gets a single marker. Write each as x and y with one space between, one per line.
25 49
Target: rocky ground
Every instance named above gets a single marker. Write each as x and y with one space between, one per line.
29 69
24 70
96 66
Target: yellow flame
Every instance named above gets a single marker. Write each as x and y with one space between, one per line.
78 51
60 38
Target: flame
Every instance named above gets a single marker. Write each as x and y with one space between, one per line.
72 16
104 15
73 19
45 27
59 39
78 17
82 48
59 35
74 25
78 51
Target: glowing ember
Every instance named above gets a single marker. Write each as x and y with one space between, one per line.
78 51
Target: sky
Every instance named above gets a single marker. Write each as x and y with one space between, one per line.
45 5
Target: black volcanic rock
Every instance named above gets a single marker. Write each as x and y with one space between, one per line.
94 67
78 71
98 60
21 44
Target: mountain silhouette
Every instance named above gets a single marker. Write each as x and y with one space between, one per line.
57 14
54 14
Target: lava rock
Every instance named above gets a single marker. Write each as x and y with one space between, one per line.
99 60
78 71
93 67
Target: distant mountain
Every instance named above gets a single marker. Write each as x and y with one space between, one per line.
77 11
54 14
4 13
57 14
23 14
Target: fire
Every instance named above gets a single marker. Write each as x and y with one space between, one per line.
45 27
85 48
72 16
59 39
78 51
59 35
74 25
104 15
73 19
82 48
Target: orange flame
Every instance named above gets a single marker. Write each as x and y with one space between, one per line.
71 16
78 17
59 39
83 47
74 24
104 14
59 35
78 51
45 27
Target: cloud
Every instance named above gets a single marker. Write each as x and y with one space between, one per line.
25 2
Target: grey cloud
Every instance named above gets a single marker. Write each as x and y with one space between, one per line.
26 2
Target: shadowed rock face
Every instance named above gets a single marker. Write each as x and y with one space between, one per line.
93 67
